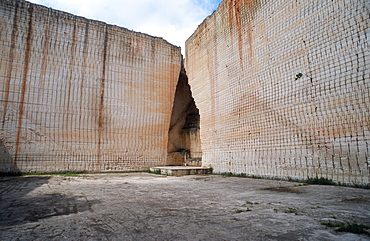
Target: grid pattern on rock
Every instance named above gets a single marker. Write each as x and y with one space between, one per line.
78 94
283 89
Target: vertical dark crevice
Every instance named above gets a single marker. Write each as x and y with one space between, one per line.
84 67
183 135
102 89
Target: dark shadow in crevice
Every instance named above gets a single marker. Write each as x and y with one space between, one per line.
184 146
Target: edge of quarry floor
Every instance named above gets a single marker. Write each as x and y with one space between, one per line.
143 206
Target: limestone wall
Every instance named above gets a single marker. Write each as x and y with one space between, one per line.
283 88
77 94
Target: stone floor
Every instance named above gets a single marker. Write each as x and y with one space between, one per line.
143 206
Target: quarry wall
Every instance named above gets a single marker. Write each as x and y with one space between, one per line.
283 88
78 94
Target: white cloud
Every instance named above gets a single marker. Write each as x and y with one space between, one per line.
174 20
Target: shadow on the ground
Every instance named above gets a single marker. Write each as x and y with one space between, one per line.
17 207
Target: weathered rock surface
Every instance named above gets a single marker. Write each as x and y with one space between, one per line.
78 94
151 207
283 88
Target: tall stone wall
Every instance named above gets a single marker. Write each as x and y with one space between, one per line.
77 94
283 88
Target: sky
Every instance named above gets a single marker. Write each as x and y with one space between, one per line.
173 20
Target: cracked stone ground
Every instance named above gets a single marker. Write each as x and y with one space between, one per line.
143 206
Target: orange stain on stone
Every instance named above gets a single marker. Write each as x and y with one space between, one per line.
27 59
13 42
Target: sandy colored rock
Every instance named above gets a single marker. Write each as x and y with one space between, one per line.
78 94
282 88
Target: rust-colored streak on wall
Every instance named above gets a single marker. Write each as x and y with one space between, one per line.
45 48
27 59
236 13
102 90
84 56
44 80
11 59
299 106
248 5
71 66
45 51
